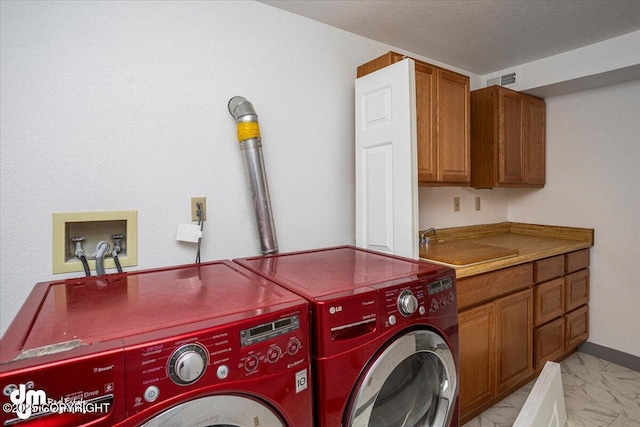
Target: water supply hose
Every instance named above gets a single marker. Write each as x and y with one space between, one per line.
116 250
80 254
101 251
251 147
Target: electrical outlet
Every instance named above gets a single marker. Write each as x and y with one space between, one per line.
456 204
194 208
477 203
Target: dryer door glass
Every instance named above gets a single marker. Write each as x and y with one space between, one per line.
217 411
412 383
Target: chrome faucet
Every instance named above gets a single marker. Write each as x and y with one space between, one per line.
424 239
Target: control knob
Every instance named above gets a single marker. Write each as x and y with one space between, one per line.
293 346
187 364
407 303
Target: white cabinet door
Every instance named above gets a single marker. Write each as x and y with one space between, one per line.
545 405
386 161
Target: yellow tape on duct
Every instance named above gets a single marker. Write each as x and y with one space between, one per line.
248 130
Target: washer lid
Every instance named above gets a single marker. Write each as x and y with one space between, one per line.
98 309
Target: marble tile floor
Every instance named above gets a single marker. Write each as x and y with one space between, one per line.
597 394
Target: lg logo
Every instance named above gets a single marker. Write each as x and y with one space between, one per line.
334 310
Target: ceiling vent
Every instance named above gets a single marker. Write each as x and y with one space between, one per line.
508 80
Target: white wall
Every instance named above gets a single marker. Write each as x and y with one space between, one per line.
123 105
608 62
593 176
436 206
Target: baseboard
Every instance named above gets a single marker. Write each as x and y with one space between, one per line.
610 355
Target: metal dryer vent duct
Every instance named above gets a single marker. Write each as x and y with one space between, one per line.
251 147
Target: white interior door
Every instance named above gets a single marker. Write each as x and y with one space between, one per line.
545 405
386 160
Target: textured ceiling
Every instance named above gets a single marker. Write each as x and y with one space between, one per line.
480 36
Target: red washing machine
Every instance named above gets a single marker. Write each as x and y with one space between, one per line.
385 335
206 344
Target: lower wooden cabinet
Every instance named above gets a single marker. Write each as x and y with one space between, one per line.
511 321
496 349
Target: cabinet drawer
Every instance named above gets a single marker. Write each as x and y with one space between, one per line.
548 301
489 286
548 342
576 326
548 268
577 260
576 287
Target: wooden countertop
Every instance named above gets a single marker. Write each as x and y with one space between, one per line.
518 243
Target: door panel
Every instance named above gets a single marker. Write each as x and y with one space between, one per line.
427 122
514 315
534 138
453 128
477 343
545 406
386 166
510 156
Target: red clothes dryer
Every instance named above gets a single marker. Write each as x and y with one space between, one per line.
385 335
206 344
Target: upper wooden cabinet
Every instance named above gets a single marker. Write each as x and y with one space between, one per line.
507 139
442 110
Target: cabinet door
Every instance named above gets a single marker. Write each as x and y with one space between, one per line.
514 316
534 140
386 169
477 357
453 150
510 155
426 122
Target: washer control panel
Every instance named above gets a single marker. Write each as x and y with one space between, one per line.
216 357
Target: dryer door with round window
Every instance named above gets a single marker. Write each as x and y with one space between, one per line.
412 383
